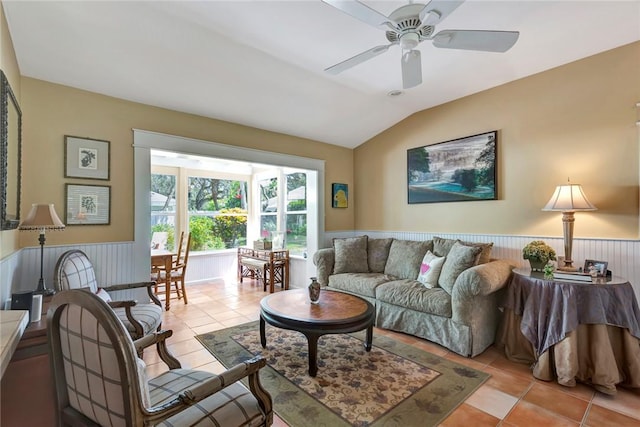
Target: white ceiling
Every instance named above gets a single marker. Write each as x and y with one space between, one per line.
260 63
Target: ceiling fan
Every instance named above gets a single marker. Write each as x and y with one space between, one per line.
411 24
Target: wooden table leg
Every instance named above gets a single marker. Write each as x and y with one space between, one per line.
263 336
369 340
312 339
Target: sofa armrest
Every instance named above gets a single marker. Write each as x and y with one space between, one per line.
323 260
482 279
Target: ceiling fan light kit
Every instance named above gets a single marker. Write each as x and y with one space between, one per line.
410 25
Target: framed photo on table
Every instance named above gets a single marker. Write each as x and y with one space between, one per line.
86 158
600 266
87 205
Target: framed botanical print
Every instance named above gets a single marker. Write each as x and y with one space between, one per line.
86 158
88 204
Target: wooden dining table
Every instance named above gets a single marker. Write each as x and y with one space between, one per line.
163 257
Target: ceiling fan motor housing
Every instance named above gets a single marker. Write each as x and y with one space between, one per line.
407 21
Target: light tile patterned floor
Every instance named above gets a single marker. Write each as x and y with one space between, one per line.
511 397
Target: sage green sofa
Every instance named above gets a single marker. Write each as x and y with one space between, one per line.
457 309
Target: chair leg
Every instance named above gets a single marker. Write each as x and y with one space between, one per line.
184 291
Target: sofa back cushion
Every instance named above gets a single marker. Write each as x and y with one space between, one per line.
459 258
377 254
405 257
442 246
350 255
485 254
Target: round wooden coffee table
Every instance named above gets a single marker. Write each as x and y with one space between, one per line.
336 313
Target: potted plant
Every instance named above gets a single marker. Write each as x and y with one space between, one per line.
539 254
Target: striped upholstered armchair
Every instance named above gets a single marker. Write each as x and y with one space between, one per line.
100 380
75 271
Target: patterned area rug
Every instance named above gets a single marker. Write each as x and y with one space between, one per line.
392 385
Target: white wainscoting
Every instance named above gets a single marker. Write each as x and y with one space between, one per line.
113 262
623 255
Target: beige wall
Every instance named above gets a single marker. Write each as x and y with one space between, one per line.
574 121
52 111
8 64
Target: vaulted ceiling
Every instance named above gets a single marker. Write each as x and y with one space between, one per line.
261 63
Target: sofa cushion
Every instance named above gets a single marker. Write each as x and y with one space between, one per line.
485 254
363 284
405 257
442 246
377 254
413 295
430 270
460 258
350 255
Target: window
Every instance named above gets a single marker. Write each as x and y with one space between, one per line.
211 198
163 207
283 209
296 213
217 213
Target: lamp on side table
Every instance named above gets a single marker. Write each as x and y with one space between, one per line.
568 199
42 217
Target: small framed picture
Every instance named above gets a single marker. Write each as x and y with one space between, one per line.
339 195
599 266
88 204
86 158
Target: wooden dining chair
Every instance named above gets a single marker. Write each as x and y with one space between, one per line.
176 276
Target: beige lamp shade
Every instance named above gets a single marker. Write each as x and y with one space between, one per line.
569 198
42 217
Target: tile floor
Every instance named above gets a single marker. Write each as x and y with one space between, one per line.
511 397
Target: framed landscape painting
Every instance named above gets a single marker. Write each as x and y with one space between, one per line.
453 171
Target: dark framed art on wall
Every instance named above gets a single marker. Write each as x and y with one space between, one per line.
459 170
86 158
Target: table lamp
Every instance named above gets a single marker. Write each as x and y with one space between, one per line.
568 199
42 217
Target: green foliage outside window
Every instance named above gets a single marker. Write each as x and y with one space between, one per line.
202 236
232 229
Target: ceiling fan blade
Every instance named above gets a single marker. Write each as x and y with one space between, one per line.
436 10
360 11
411 69
489 41
358 59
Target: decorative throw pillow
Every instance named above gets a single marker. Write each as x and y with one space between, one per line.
459 259
485 254
350 255
405 257
378 252
442 246
104 295
430 270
